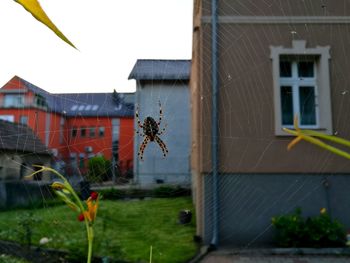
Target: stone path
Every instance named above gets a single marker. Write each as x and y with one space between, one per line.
215 258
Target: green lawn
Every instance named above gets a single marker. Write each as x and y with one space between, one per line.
123 230
9 259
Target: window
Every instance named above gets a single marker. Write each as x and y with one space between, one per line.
61 130
11 100
301 87
92 132
101 131
298 91
39 101
10 118
23 120
74 132
82 132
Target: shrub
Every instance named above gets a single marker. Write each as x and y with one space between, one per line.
162 191
325 232
319 231
111 193
97 169
170 191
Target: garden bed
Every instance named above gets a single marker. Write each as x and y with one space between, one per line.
123 230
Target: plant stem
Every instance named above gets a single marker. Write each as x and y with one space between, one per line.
90 235
308 137
150 255
89 229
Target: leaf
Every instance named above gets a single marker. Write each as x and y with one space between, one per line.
33 7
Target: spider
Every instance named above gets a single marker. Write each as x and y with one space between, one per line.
150 132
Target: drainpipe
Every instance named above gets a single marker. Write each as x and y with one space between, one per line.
136 137
214 137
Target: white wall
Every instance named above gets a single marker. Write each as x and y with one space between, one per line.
175 167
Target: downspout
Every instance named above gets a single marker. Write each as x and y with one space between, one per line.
214 137
136 138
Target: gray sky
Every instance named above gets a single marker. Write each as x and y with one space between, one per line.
110 36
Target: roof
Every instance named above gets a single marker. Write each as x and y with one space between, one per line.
151 69
92 104
20 138
111 104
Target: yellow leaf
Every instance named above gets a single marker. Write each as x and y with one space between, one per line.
33 7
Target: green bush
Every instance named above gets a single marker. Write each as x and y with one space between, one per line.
319 231
111 193
162 191
97 169
170 191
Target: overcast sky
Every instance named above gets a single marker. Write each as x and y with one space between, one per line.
110 35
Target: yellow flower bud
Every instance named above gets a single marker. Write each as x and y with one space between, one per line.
58 186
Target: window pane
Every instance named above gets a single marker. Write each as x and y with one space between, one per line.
92 131
307 105
287 105
23 119
285 69
74 131
82 131
101 131
306 69
14 101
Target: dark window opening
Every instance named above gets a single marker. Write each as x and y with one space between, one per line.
101 131
285 69
74 132
287 105
83 132
306 69
92 132
307 105
38 176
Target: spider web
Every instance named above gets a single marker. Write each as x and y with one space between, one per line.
249 200
136 49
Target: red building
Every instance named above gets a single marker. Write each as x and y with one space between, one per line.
75 127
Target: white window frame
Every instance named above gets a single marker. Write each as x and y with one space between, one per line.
295 82
321 82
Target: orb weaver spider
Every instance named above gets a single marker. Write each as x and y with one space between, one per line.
150 132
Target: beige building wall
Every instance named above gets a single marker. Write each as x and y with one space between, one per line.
248 143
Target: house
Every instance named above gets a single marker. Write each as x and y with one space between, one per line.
20 149
75 126
254 67
162 89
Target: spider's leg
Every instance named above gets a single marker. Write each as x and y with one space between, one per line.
142 147
137 117
161 145
162 130
139 133
160 114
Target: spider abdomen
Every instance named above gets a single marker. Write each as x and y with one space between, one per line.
150 128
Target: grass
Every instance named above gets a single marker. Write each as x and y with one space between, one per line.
9 259
124 229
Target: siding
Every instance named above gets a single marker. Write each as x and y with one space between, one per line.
175 168
247 140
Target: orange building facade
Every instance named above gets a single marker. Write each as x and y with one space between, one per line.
75 127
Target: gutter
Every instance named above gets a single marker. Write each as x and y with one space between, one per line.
214 137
